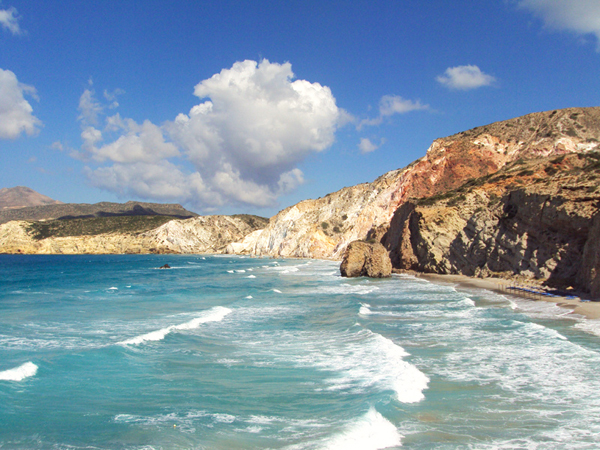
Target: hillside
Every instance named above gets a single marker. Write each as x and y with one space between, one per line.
542 167
21 197
102 209
127 234
324 227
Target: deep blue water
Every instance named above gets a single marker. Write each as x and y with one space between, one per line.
109 352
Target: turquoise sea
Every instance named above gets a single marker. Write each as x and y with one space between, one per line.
109 352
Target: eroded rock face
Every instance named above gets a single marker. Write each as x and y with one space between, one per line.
202 234
366 259
536 219
324 227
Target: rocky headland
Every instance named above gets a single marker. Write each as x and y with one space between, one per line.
515 199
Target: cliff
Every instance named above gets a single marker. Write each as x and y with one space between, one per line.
126 234
324 227
513 198
533 219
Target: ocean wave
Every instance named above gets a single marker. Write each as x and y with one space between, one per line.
367 360
369 432
26 370
215 314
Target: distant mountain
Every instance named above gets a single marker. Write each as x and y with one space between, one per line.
86 211
21 197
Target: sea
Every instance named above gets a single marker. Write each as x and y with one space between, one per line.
229 352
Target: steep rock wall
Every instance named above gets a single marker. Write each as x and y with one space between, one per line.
324 227
521 222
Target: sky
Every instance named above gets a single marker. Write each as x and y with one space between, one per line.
249 107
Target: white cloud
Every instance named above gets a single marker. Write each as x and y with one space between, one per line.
9 20
366 146
393 104
138 143
15 112
465 78
579 16
241 144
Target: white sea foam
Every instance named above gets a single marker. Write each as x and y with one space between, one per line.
367 360
359 289
251 276
215 314
249 297
240 271
589 326
277 291
113 288
370 432
364 309
26 370
230 271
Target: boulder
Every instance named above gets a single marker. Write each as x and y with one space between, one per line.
366 259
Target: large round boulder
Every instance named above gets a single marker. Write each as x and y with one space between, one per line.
366 259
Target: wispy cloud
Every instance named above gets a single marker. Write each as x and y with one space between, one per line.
393 104
9 20
578 16
16 114
465 78
240 145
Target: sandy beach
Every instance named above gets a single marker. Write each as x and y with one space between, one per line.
588 309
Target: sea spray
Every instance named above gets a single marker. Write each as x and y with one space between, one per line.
26 370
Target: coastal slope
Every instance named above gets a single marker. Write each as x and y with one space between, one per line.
126 234
513 198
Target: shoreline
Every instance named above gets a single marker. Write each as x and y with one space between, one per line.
588 309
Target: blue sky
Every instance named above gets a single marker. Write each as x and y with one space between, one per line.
249 107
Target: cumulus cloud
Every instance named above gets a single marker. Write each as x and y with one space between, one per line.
9 20
579 16
241 144
465 78
15 112
393 104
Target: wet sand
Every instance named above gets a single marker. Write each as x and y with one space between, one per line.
589 309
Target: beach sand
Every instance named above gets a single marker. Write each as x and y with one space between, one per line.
588 309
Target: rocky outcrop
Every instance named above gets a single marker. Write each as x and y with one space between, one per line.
366 259
589 273
323 228
203 234
533 219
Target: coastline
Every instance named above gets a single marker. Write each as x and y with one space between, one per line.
588 309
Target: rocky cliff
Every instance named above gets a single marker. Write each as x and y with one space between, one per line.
533 219
324 227
516 197
203 234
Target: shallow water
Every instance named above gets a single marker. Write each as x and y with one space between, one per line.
109 352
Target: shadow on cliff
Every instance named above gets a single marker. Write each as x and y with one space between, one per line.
524 234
